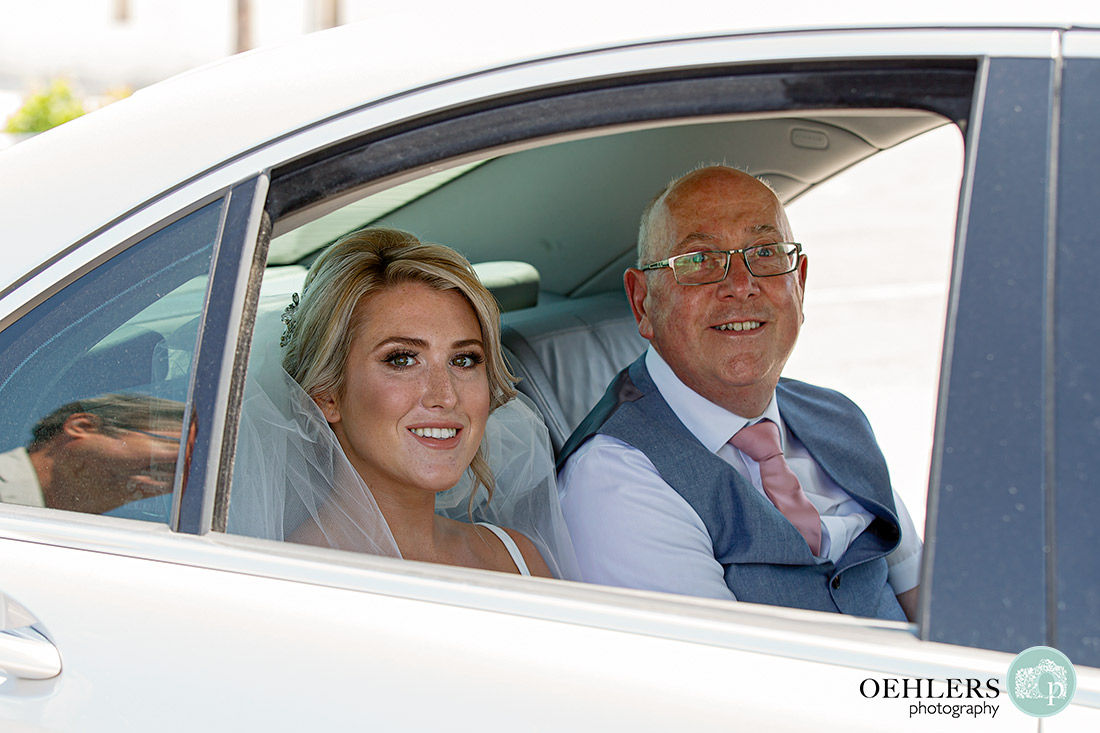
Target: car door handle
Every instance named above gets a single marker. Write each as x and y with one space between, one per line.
24 651
27 654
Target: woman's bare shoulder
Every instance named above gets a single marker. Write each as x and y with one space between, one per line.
531 555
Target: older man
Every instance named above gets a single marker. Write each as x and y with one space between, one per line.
702 472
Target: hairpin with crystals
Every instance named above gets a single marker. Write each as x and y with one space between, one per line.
288 321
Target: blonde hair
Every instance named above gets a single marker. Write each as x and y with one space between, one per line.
320 329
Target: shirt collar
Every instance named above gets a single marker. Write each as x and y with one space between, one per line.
711 424
18 479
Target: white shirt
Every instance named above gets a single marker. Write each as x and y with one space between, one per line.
630 528
18 479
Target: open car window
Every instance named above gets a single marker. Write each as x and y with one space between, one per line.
552 225
882 237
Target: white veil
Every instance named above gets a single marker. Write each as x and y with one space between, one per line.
289 467
517 447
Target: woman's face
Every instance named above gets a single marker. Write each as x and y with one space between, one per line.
416 391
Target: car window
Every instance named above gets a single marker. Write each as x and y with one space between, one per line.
519 228
880 238
94 379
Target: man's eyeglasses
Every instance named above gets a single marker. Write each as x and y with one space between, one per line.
156 436
703 268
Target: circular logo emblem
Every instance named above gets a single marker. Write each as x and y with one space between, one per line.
1041 681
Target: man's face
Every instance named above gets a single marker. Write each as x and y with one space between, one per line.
729 340
99 468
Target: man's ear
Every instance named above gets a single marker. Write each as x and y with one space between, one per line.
81 424
329 408
637 288
802 285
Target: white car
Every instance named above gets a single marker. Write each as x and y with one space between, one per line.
142 241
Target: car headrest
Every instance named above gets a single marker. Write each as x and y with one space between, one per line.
514 284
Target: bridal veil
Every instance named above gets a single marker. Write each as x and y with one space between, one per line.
289 465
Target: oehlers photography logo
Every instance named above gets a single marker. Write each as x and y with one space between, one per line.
1041 681
927 696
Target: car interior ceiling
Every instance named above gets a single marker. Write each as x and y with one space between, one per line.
571 209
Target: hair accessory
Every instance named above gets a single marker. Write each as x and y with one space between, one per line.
288 321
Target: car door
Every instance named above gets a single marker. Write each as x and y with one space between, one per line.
1018 360
175 624
1071 343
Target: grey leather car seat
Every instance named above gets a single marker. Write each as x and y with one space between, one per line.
566 354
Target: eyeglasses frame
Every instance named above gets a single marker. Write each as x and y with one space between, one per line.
155 436
729 258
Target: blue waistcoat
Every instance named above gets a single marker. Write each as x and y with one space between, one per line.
765 559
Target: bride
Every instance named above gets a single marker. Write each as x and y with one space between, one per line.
398 430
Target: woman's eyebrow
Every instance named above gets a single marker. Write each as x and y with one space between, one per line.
403 341
423 344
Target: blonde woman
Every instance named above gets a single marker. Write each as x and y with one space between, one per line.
397 344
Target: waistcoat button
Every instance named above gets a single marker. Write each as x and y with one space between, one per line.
836 582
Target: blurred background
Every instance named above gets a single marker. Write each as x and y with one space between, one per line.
60 58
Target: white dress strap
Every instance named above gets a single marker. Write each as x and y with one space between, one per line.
510 545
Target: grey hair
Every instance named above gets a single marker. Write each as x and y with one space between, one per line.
118 411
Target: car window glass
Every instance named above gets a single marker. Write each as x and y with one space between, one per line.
93 380
880 238
521 231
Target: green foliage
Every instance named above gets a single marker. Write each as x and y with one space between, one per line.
45 109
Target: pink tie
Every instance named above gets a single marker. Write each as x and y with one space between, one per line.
761 443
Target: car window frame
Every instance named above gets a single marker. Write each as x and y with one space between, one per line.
380 156
209 381
70 269
215 392
997 233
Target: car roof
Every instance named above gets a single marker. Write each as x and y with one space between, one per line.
98 167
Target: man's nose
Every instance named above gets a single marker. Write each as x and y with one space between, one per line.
439 390
738 281
166 451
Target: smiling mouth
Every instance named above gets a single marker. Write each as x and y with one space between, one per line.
435 433
740 326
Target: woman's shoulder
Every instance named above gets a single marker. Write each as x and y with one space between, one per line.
502 557
536 565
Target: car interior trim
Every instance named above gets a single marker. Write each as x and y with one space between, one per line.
235 396
210 389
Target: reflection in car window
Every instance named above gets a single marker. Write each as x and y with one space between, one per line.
93 381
